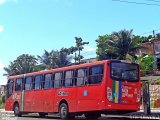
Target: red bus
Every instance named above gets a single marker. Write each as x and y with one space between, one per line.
91 89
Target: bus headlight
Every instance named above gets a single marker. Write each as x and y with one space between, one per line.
109 94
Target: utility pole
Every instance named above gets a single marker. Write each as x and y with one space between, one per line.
154 53
75 58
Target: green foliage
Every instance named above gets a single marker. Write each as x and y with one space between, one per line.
158 82
104 51
0 100
142 39
55 59
3 99
117 45
23 64
78 47
146 63
2 106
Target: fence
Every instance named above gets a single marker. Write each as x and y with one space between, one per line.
155 96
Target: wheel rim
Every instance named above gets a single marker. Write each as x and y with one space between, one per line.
63 112
16 110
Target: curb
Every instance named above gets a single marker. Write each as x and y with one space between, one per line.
6 114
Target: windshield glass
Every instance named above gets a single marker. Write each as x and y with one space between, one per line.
124 71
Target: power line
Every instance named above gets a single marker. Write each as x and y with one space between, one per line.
156 30
139 3
153 0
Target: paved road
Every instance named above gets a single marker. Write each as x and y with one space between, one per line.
49 117
55 117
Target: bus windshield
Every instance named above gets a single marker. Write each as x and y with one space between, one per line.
124 71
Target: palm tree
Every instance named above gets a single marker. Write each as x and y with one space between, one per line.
49 59
122 44
23 64
55 58
63 58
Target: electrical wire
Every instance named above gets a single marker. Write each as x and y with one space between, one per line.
139 3
153 0
156 30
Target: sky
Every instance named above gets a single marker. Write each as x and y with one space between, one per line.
32 26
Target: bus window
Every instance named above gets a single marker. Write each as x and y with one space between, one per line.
68 81
58 80
82 76
28 83
48 81
95 74
38 80
18 84
124 71
10 87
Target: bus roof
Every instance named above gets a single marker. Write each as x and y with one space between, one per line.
59 69
64 68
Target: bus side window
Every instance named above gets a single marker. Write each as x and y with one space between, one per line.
82 76
28 83
95 74
10 87
19 84
48 81
68 81
38 81
58 80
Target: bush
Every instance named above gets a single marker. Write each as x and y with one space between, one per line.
1 106
158 82
3 99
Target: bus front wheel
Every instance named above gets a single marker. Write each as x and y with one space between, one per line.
16 110
63 111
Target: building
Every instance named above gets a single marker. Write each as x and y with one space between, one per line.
88 60
3 90
151 48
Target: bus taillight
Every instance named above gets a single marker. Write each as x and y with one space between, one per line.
138 97
109 94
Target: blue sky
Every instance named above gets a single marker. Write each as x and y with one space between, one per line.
30 26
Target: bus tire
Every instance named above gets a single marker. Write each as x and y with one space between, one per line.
16 110
92 116
63 111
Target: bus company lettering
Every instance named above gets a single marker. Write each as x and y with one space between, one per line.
125 93
63 93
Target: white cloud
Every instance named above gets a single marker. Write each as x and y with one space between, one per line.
1 65
2 2
89 49
1 28
5 1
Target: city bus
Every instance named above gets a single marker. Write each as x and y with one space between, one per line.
92 89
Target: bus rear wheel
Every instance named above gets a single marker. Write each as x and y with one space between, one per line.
16 110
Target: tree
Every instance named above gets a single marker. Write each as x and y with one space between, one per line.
146 63
79 47
64 58
55 58
49 59
104 51
23 64
117 45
